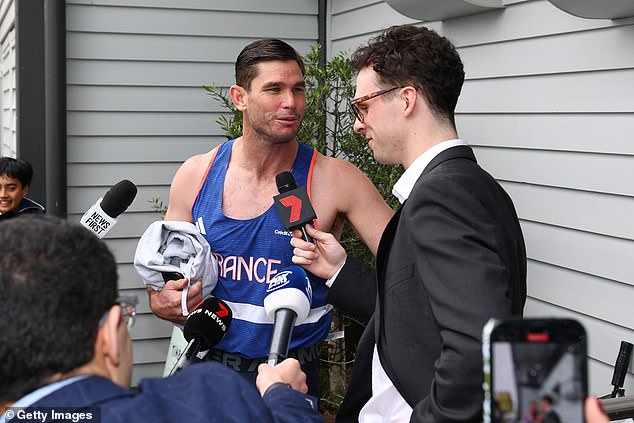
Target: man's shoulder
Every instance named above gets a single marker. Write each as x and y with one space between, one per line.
203 376
203 389
203 158
335 169
194 167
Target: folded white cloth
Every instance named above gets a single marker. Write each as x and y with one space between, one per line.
175 246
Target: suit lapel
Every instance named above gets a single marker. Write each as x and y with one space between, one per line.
386 242
382 256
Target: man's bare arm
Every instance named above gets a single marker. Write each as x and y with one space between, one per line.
166 303
359 200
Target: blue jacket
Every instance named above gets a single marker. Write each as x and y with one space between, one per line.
27 206
205 392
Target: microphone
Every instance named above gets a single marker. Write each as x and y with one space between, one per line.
204 328
288 300
102 216
620 369
293 205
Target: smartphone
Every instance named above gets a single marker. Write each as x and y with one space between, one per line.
172 276
535 370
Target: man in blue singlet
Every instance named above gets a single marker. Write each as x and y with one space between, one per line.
228 193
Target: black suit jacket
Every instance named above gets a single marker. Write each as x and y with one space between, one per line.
452 257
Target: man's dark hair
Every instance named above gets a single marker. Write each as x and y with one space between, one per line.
548 399
56 281
18 169
419 57
261 51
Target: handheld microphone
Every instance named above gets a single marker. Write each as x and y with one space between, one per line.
293 205
204 328
102 216
288 300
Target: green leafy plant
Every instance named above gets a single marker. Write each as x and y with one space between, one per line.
328 127
156 204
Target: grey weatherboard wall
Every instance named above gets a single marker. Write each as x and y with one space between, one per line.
547 106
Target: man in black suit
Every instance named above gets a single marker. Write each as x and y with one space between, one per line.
452 257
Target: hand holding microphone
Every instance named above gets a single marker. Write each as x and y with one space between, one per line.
288 300
102 216
287 372
204 328
322 257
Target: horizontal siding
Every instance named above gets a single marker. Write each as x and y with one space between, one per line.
105 46
601 213
125 73
583 293
604 91
579 132
81 198
85 149
276 6
147 370
606 173
142 173
198 23
114 123
604 341
354 22
8 145
146 98
128 277
558 54
149 351
547 105
137 110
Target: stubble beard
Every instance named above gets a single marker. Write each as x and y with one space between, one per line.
263 129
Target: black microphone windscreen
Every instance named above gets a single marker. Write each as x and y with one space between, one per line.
285 182
118 198
208 323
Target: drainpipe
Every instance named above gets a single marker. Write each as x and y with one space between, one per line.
41 98
321 30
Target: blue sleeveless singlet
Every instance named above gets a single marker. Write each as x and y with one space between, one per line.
249 253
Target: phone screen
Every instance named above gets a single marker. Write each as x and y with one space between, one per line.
537 375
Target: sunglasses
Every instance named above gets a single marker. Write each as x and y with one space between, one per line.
354 104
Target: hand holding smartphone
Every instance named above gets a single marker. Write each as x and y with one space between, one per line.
535 370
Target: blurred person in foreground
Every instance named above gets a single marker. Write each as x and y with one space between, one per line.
65 343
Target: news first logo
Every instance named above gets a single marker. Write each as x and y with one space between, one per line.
49 414
97 223
283 278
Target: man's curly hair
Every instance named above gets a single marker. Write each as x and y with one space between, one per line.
416 56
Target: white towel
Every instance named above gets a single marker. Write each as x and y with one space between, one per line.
175 246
